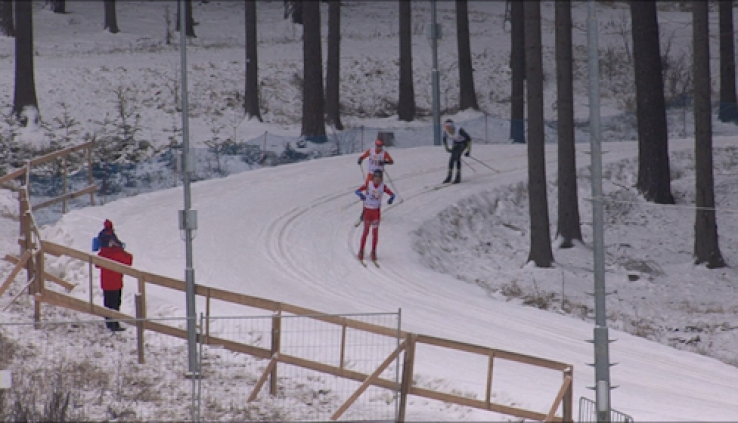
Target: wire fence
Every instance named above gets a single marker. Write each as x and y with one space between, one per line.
79 370
297 393
588 413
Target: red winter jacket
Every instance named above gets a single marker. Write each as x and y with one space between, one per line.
111 280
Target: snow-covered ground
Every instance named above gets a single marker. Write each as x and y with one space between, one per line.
271 233
452 258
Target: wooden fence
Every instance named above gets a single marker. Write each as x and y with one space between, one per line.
62 155
33 256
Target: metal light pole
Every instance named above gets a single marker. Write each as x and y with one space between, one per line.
187 217
601 337
435 77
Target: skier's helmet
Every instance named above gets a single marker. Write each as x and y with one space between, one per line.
379 143
377 174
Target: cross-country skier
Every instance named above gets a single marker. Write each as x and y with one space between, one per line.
461 142
378 157
371 194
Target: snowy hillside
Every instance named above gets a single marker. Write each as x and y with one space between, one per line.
271 233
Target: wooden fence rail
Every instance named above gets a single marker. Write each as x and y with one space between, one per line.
62 155
409 341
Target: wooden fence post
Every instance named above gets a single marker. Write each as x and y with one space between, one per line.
343 343
91 276
207 315
407 376
140 315
22 208
276 337
568 409
142 292
38 287
490 370
26 233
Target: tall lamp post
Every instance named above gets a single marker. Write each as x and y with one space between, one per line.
187 217
601 337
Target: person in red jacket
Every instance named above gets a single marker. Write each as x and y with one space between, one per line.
111 281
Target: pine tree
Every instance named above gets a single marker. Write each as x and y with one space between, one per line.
540 232
251 96
569 228
25 86
706 247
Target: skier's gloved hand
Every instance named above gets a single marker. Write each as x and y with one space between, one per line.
392 199
362 196
359 161
467 153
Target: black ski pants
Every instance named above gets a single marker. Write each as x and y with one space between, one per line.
112 300
456 152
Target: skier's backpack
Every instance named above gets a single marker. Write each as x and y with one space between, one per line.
95 244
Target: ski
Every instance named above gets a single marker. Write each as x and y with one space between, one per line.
363 263
437 187
376 263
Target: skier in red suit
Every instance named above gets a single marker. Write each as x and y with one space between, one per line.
377 157
371 194
111 281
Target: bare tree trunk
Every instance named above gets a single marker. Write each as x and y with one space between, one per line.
728 107
7 18
313 105
517 65
468 97
189 19
569 225
333 67
25 103
251 96
111 19
706 247
406 103
59 6
540 232
654 177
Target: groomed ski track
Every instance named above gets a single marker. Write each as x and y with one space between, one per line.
287 234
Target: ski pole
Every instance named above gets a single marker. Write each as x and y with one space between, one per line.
389 178
361 169
484 164
470 166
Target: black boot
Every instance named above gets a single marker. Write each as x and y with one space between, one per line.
458 177
448 178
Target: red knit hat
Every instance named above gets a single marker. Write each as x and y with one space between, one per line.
108 224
